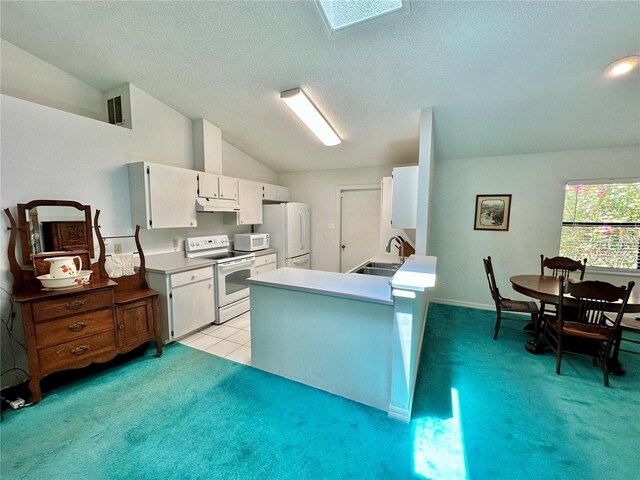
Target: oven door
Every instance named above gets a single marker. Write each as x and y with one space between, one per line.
232 280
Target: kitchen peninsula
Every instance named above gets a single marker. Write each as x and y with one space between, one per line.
357 336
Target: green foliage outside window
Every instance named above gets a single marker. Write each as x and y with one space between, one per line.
602 223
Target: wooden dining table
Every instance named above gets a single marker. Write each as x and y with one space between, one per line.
546 289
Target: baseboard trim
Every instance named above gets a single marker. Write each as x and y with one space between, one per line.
477 306
401 414
459 303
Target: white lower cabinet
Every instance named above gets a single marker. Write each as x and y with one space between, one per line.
187 300
266 263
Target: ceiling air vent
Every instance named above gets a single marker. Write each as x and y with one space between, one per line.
114 108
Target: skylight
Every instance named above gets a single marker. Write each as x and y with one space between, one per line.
343 14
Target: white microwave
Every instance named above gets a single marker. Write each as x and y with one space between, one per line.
248 242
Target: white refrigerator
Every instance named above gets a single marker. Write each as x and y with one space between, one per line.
288 227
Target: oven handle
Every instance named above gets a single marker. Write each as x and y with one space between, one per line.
227 265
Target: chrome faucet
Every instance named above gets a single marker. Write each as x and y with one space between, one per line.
400 240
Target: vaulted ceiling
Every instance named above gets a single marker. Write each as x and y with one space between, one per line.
502 77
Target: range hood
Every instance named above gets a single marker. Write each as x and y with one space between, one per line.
205 204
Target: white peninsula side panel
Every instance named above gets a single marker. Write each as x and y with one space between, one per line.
337 344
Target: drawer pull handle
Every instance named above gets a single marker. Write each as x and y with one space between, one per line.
80 350
76 327
76 304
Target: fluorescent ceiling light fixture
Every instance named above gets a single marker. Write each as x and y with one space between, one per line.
339 15
297 101
622 66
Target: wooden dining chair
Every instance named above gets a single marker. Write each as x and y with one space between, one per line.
563 266
506 304
592 326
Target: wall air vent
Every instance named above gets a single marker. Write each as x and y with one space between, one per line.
114 109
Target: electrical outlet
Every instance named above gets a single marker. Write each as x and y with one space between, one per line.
117 248
443 286
176 243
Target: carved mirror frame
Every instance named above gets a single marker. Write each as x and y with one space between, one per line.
25 244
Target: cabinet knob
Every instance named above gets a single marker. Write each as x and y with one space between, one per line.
120 327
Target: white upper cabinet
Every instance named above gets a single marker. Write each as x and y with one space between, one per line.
275 193
211 185
405 197
228 188
162 196
250 196
208 185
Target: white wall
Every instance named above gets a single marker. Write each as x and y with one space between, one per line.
537 185
236 163
53 147
26 76
318 189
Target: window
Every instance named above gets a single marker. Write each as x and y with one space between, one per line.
601 222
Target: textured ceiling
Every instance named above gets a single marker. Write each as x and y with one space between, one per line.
502 77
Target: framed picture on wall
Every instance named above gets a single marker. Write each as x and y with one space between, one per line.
492 212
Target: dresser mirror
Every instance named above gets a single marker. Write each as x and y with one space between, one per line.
54 225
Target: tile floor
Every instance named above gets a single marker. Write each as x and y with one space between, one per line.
231 340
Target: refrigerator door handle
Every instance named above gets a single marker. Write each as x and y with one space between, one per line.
301 231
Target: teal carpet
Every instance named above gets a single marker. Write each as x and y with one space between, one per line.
483 410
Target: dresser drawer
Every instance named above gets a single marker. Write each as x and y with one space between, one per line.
265 259
77 351
191 276
72 305
70 328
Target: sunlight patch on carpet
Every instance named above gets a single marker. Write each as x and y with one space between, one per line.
438 448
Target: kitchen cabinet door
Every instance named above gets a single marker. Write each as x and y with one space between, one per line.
404 204
162 196
269 192
228 188
250 197
275 193
192 307
284 194
207 185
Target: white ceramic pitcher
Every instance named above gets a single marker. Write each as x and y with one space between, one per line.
62 267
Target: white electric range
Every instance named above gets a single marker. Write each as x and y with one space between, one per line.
231 271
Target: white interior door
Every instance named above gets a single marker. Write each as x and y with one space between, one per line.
360 226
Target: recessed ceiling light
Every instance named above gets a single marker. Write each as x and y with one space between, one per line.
622 66
298 101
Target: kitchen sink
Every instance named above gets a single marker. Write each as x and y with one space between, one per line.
390 266
382 272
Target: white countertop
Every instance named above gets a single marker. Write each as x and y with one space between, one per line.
368 288
266 251
174 262
416 274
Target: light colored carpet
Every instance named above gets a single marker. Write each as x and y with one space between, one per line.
484 409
